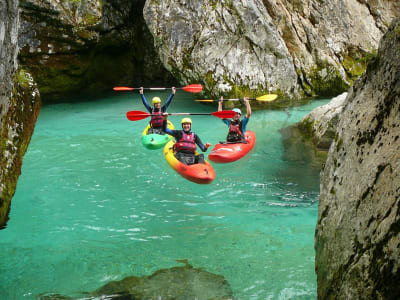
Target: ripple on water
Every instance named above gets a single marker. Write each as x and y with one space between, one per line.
93 205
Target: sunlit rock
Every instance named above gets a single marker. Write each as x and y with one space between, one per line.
321 123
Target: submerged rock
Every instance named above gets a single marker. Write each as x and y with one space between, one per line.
357 238
178 283
174 283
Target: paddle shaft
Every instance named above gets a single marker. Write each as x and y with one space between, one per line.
191 88
186 114
139 115
235 99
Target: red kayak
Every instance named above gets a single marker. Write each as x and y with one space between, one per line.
228 152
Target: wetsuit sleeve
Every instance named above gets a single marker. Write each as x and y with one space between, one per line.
175 133
165 106
199 143
244 124
226 121
145 103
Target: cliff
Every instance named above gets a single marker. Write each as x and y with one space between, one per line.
357 238
68 45
293 48
19 107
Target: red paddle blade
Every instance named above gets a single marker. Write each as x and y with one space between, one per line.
136 115
123 88
224 114
193 88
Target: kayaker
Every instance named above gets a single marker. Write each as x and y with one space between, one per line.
186 140
237 127
156 122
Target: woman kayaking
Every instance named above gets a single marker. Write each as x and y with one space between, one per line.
237 127
186 140
156 121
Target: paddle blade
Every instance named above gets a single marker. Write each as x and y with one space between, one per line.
224 114
205 100
193 88
267 98
136 115
123 88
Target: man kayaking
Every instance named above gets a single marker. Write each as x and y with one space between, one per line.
237 127
186 140
156 122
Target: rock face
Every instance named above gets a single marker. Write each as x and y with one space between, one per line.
289 47
178 283
68 45
230 43
19 107
322 122
357 238
331 41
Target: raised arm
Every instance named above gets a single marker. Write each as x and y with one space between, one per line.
220 103
145 103
248 107
168 102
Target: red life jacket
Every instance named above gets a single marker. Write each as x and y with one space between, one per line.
157 120
234 133
186 142
235 128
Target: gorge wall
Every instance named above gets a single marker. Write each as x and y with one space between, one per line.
19 106
84 48
293 48
357 238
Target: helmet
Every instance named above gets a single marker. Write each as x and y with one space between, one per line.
156 100
186 120
237 110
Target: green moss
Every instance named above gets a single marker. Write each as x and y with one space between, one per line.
22 79
13 148
339 144
332 191
356 67
327 81
306 127
397 31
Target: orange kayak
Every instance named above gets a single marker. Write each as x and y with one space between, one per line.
198 173
229 152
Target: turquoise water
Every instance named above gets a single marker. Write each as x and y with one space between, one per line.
93 205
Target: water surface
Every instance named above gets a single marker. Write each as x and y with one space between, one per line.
93 205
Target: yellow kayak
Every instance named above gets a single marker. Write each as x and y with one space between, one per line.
198 173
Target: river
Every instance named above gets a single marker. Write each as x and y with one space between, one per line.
93 205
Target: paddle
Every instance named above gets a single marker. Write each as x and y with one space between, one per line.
264 98
191 88
136 115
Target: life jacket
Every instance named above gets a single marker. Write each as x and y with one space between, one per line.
234 133
157 120
186 142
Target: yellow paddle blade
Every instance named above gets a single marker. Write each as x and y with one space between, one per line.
267 98
205 100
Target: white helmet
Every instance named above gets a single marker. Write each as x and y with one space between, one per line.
237 110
